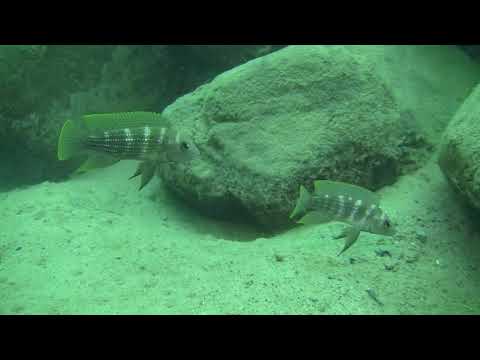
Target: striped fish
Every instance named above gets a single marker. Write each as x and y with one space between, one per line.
350 204
108 138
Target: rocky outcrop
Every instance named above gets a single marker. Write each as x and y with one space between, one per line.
42 86
35 86
429 81
288 118
459 156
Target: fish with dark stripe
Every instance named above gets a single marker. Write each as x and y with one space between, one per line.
108 138
351 204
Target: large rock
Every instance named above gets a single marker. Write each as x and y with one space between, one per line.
150 77
459 156
42 86
472 51
210 59
430 81
35 84
288 118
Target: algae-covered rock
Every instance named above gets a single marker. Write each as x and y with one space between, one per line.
211 58
17 62
42 86
472 50
34 76
35 86
39 83
459 156
430 81
285 119
150 77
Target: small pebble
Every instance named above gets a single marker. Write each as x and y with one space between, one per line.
411 259
373 296
383 253
279 258
18 248
421 236
391 266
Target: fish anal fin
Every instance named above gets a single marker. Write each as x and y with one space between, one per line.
315 217
351 235
96 162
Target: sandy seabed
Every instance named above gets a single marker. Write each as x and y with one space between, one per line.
95 245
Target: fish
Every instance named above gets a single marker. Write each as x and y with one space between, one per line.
105 139
350 204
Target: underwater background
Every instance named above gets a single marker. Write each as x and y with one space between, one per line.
214 235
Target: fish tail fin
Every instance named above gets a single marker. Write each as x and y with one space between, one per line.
303 203
71 140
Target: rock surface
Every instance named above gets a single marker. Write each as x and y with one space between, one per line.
35 85
288 118
430 81
42 86
459 156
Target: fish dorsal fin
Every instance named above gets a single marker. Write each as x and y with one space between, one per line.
336 188
315 217
101 122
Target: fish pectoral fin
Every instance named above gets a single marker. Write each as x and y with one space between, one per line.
351 236
147 171
137 172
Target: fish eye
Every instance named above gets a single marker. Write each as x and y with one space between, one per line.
185 146
387 223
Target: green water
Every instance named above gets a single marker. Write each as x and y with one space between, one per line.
212 235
